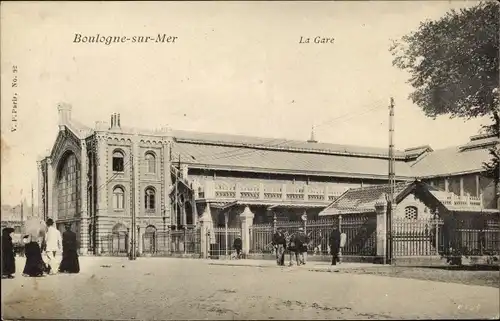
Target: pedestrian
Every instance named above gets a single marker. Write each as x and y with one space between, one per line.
52 245
335 237
69 262
8 256
301 243
34 265
238 245
291 248
279 243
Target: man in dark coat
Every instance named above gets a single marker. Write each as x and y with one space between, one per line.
301 243
8 257
238 245
335 244
279 243
69 262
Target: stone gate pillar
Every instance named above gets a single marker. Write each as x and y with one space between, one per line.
381 233
246 219
206 225
139 240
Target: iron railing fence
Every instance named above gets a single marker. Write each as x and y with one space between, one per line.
164 243
221 241
261 238
116 244
360 231
361 234
422 237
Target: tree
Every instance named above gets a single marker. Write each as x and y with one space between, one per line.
454 69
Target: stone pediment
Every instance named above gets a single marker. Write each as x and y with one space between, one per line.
66 141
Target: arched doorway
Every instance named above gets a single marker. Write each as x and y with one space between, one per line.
119 240
149 240
189 214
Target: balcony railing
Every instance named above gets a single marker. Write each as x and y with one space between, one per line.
269 192
452 199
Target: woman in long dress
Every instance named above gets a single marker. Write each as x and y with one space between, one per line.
8 257
35 231
34 263
69 263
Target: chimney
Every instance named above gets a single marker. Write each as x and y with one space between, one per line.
64 111
312 139
115 121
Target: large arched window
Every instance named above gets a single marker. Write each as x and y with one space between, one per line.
117 161
411 213
68 187
149 199
150 163
118 198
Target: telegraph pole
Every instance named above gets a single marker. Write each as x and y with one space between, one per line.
392 181
132 236
22 211
177 175
32 202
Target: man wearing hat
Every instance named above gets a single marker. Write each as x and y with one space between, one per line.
301 242
279 243
52 245
238 245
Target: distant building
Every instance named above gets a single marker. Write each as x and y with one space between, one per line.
180 177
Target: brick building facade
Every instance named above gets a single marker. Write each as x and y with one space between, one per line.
95 177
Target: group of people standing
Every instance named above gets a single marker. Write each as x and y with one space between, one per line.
37 242
297 244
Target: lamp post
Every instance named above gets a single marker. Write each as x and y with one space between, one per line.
164 218
436 221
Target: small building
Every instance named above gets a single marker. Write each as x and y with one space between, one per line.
426 221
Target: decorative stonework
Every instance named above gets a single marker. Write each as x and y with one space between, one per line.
151 142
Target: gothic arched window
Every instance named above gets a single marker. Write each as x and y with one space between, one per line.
149 199
118 198
68 187
150 162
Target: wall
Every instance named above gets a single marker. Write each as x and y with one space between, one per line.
117 179
423 212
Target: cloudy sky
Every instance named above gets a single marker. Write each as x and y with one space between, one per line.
235 68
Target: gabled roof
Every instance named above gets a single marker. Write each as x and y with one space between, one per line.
468 158
282 144
362 200
254 159
451 161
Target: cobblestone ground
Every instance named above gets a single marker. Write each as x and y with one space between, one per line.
167 288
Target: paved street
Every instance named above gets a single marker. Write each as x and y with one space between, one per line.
167 288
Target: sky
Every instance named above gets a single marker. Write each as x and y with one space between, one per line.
235 68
